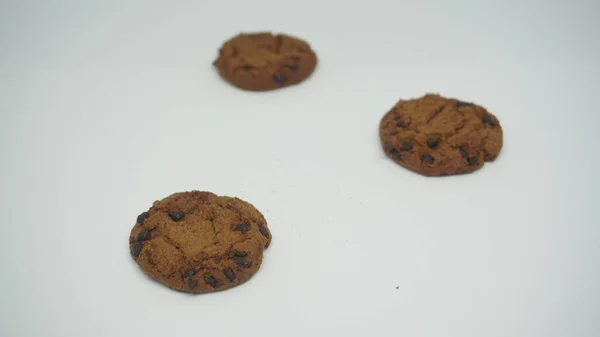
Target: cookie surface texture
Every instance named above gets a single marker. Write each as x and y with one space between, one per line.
263 61
199 242
437 136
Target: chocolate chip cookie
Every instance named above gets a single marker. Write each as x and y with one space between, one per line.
436 136
199 242
263 61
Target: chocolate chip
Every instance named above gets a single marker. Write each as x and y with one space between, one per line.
460 104
192 284
246 67
229 274
401 124
142 217
136 249
241 259
395 154
433 142
176 215
189 273
234 53
244 228
463 152
293 66
279 78
264 231
487 119
242 262
427 158
473 160
210 280
407 145
143 235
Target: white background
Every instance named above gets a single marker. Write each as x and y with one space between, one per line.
107 106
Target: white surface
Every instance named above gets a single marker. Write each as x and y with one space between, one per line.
107 106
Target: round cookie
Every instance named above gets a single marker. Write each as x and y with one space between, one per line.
263 61
199 242
436 136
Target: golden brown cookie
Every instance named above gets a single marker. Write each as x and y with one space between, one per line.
263 61
435 136
199 242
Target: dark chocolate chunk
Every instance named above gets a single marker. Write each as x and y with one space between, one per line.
401 124
241 259
264 231
210 280
142 217
244 228
463 152
473 160
136 248
407 145
433 142
192 283
293 66
427 158
246 67
487 119
176 215
229 274
395 154
242 262
143 235
460 104
279 78
189 273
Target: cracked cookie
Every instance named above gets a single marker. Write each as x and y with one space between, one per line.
263 61
437 136
199 242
